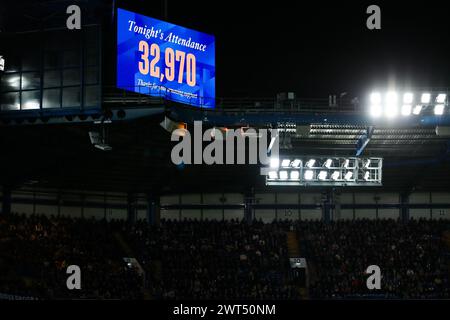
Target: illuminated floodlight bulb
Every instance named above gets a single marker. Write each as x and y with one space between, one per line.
296 163
322 175
366 175
335 175
417 109
348 175
274 162
346 163
367 164
328 163
426 98
375 98
391 108
408 98
285 163
273 175
439 109
295 175
406 109
309 174
310 163
376 110
283 175
441 98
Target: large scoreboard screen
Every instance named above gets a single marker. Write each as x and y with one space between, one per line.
165 60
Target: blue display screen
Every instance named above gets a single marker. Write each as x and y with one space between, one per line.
165 60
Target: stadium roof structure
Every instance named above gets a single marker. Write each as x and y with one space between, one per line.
61 155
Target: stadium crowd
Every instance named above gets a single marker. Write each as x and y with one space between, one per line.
220 259
413 259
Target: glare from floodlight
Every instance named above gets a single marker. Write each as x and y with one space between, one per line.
285 163
328 163
335 175
348 175
366 175
283 175
417 109
273 175
376 110
426 98
391 108
439 109
274 162
406 109
441 98
296 163
375 98
310 163
408 98
322 175
295 175
367 164
309 174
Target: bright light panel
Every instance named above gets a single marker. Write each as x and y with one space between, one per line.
441 98
346 163
406 109
309 174
426 98
367 164
274 162
439 109
310 163
348 175
335 175
322 175
391 108
375 98
328 163
285 163
295 175
273 175
366 175
417 109
296 163
408 98
283 175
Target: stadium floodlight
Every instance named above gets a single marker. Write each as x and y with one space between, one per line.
417 109
274 162
335 175
346 163
309 174
375 98
295 175
310 163
322 175
349 175
441 98
367 163
285 163
426 98
283 175
391 108
439 109
296 163
328 163
376 110
406 109
273 175
408 98
366 175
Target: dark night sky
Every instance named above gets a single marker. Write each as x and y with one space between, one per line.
314 48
